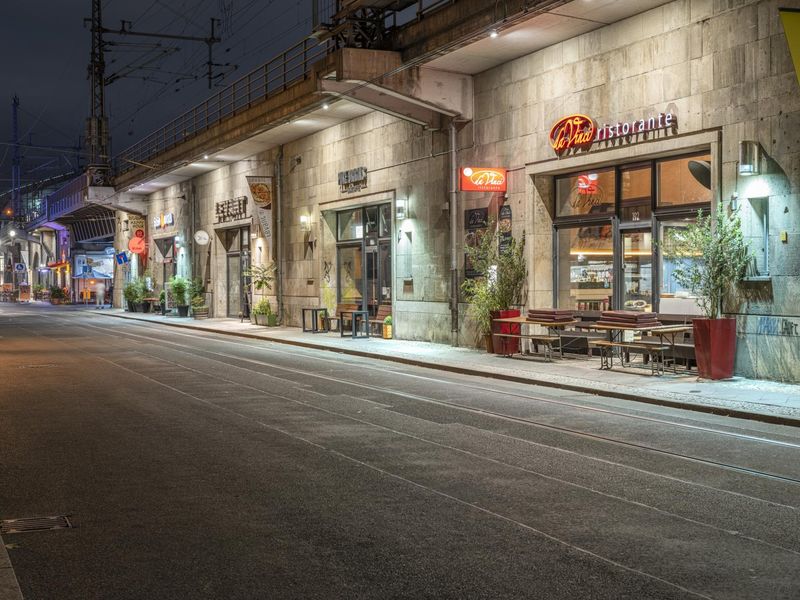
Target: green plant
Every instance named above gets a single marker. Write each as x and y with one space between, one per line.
501 280
262 307
196 288
198 302
179 286
56 293
262 276
711 254
132 292
162 297
37 289
388 320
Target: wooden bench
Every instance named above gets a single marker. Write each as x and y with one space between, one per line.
339 317
546 341
655 352
384 310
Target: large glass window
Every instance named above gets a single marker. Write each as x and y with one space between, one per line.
684 180
636 198
674 298
585 268
587 193
351 225
608 221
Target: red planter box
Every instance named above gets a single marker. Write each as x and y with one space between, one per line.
715 347
504 345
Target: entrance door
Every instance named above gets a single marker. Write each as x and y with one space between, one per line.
237 245
637 270
351 274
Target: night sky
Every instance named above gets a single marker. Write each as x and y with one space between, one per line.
44 49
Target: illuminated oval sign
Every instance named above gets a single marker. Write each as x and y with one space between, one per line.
137 245
475 179
575 132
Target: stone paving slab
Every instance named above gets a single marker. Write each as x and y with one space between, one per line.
764 400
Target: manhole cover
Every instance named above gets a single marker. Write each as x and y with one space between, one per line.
34 524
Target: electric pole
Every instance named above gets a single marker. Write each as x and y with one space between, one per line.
16 161
98 169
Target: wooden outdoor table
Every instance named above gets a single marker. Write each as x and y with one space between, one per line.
554 330
662 331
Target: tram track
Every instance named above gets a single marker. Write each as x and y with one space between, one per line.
193 351
203 372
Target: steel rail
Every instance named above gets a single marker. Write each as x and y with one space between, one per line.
486 412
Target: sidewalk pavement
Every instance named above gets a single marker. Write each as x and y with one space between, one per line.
766 401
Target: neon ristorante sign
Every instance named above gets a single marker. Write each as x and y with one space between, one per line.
579 133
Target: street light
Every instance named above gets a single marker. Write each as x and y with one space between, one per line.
12 232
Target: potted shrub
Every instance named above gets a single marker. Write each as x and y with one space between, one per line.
143 292
498 288
262 276
262 311
387 328
162 301
179 286
199 308
712 257
131 292
57 295
198 302
38 290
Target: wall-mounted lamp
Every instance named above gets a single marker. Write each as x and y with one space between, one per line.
305 223
749 158
12 233
401 209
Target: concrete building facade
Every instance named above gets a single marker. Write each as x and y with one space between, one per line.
673 93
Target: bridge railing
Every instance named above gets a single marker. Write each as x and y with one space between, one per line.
283 71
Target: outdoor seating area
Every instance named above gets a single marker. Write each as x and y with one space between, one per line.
628 339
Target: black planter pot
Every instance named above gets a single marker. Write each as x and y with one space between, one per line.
183 311
145 307
132 306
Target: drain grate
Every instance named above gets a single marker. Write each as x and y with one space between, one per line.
35 524
39 366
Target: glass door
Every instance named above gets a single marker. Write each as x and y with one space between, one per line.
350 274
234 285
637 270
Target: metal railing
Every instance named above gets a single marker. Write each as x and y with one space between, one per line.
67 198
283 71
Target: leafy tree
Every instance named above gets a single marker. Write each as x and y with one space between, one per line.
712 255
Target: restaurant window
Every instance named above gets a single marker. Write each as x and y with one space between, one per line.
684 180
586 193
610 224
350 225
674 297
636 198
586 267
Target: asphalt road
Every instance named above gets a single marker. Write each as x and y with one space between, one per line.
195 466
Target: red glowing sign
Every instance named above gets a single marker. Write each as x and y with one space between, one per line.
474 179
137 245
587 184
575 132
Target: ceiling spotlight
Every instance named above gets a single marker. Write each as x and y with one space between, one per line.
326 106
493 34
205 156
